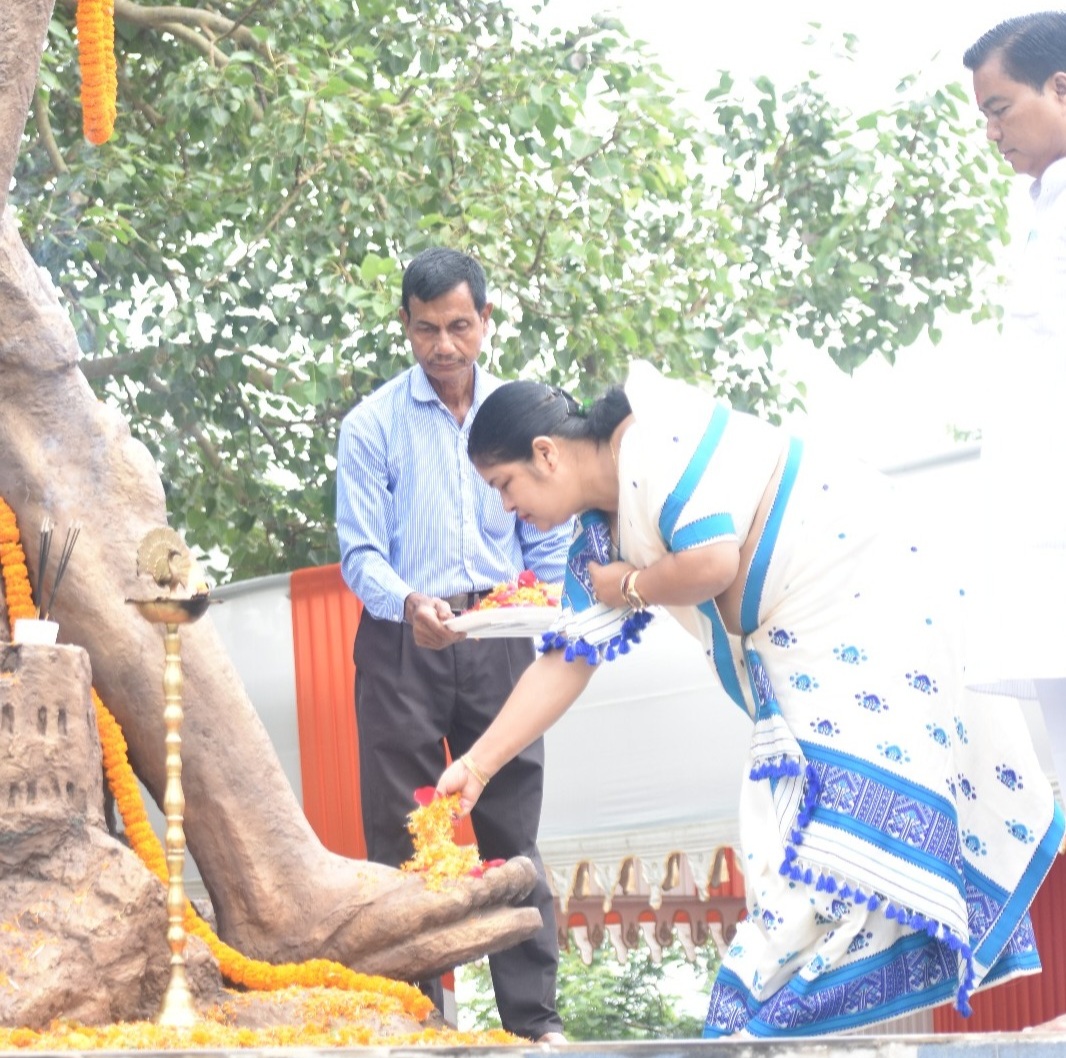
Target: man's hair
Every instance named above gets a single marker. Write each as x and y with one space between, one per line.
437 271
1032 47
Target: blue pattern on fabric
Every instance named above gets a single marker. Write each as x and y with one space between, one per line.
682 493
703 531
721 650
591 544
722 654
881 807
607 632
1020 954
760 562
888 811
1039 865
914 973
762 688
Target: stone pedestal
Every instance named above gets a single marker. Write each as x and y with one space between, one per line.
82 922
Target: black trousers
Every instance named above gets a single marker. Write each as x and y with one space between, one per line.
407 701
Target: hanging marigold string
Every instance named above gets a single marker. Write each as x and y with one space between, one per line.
96 58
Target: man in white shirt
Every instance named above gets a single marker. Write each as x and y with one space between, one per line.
1019 79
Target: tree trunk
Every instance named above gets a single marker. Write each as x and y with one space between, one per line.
278 893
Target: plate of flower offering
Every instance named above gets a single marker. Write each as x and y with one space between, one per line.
523 607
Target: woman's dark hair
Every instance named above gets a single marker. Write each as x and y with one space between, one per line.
505 425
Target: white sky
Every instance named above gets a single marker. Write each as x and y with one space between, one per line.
886 414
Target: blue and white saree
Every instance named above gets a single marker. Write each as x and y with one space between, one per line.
894 828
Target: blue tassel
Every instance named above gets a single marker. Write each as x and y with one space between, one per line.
830 884
890 913
845 891
819 886
609 651
774 769
873 903
784 868
808 876
790 854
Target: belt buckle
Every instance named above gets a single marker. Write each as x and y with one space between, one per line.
465 600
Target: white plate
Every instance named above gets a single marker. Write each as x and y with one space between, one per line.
502 621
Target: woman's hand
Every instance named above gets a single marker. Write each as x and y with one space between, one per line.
542 694
607 581
458 779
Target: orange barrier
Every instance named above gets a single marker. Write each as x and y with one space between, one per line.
325 615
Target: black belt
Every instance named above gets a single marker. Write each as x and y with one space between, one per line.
465 600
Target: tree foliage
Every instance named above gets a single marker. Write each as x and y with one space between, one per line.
638 999
231 258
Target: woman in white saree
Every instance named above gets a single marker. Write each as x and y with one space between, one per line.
894 833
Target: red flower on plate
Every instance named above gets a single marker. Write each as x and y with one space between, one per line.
527 578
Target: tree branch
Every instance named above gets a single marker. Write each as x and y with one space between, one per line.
208 21
44 130
100 368
214 55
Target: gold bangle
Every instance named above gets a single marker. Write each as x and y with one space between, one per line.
474 770
630 593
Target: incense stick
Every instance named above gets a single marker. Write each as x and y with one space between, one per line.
64 557
44 547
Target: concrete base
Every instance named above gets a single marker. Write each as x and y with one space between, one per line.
965 1045
972 1045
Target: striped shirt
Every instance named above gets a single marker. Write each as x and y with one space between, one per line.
413 515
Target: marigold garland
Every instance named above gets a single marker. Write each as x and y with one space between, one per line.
96 59
235 967
16 576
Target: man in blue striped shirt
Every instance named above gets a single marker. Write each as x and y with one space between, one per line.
422 537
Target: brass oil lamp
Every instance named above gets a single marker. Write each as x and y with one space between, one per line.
164 558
